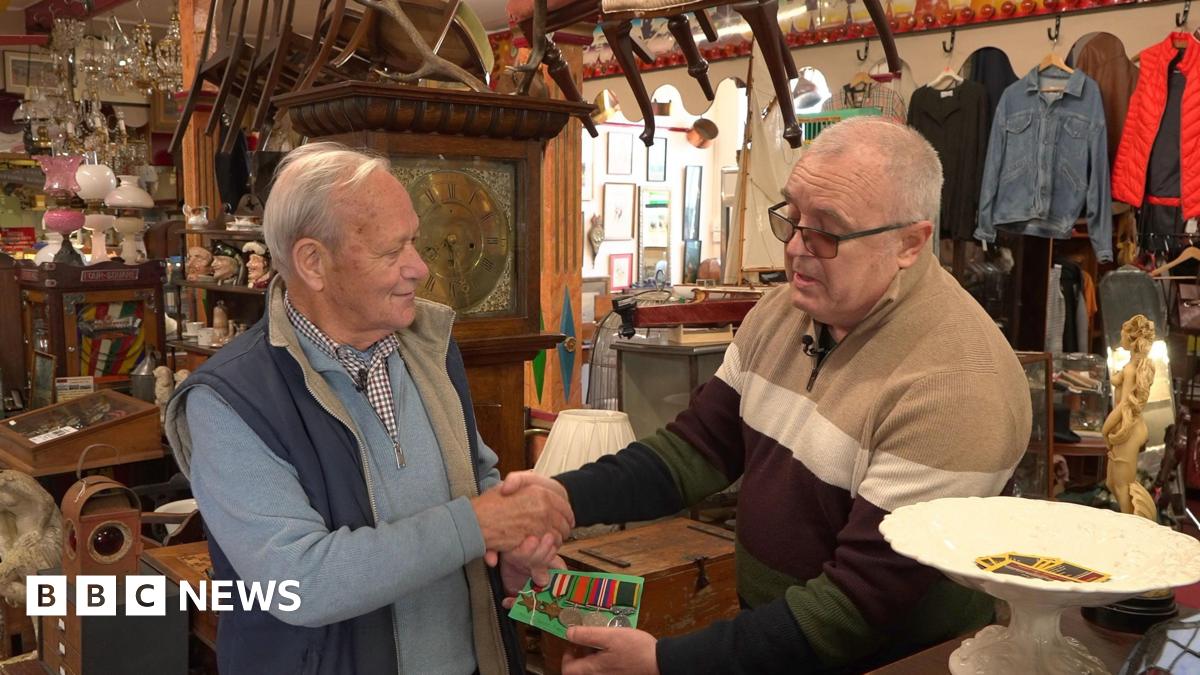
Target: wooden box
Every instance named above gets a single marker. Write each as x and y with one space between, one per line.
96 320
687 565
50 440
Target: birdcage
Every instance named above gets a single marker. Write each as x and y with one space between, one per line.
812 124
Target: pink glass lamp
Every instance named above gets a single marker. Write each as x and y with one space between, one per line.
60 184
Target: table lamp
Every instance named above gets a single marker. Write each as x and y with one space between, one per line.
582 436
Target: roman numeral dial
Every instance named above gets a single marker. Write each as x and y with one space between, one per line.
466 238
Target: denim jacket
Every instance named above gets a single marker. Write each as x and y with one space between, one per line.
1047 157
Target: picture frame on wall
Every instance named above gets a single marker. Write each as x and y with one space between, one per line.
654 220
164 113
620 271
41 390
692 175
691 261
26 69
656 161
620 211
586 159
620 154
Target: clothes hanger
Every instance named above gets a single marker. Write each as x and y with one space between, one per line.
947 79
1052 59
1189 253
860 78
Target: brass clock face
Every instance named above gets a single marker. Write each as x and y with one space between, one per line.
466 239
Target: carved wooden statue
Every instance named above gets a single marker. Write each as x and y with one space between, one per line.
1125 430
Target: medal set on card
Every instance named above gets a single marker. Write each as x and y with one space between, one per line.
580 599
1039 567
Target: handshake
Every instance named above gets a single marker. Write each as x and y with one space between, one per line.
524 520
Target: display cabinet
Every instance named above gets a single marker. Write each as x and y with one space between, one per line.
118 428
197 298
1034 476
97 320
655 381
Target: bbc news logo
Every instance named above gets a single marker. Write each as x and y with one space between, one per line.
96 595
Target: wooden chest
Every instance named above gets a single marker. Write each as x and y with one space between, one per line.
118 428
687 565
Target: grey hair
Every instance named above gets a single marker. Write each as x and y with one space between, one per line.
307 185
907 162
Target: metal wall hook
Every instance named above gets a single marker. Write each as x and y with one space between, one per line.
953 36
864 52
1182 19
1053 34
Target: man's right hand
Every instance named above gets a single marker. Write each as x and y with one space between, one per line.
507 516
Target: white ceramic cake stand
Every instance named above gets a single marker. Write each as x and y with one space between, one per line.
949 534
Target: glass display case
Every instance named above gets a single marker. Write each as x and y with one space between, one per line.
1034 474
655 381
1081 384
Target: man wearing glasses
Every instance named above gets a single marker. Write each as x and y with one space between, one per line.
870 381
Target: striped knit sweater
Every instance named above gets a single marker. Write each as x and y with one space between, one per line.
923 399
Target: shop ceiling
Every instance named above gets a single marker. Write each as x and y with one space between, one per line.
158 12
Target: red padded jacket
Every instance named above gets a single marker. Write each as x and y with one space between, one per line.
1141 125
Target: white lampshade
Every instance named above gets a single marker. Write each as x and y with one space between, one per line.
129 196
582 436
99 223
96 181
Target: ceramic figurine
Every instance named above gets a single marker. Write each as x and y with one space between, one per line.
1125 430
220 322
197 217
199 263
258 264
224 270
30 533
164 385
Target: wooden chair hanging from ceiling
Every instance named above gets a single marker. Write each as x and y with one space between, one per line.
238 71
559 14
211 69
616 21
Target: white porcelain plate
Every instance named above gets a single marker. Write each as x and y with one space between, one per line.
949 534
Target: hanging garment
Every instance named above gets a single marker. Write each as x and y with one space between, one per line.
1046 160
954 122
991 68
1143 124
1103 59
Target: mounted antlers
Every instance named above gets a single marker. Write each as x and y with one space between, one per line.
432 65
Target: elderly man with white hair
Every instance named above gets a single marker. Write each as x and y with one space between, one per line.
334 444
870 381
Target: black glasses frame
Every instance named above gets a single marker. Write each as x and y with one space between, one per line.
775 215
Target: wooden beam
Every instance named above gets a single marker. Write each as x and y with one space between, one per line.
39 18
199 173
23 40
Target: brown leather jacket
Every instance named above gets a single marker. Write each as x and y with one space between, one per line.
1103 59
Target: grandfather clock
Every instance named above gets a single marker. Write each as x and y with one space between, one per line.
472 165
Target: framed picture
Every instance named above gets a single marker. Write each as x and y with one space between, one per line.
620 271
586 158
619 210
620 154
26 69
41 391
164 113
691 261
655 218
656 160
691 202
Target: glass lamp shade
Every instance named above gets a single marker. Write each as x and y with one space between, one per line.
95 181
129 196
99 223
582 436
60 174
46 253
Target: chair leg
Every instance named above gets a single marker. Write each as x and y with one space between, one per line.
697 66
557 67
617 34
761 16
788 62
710 33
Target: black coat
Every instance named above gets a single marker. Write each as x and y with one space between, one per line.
955 122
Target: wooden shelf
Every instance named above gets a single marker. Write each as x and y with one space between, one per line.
243 290
248 235
190 346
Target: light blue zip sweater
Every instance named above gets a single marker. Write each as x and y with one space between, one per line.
253 504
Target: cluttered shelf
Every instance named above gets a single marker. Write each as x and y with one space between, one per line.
223 288
248 235
191 346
